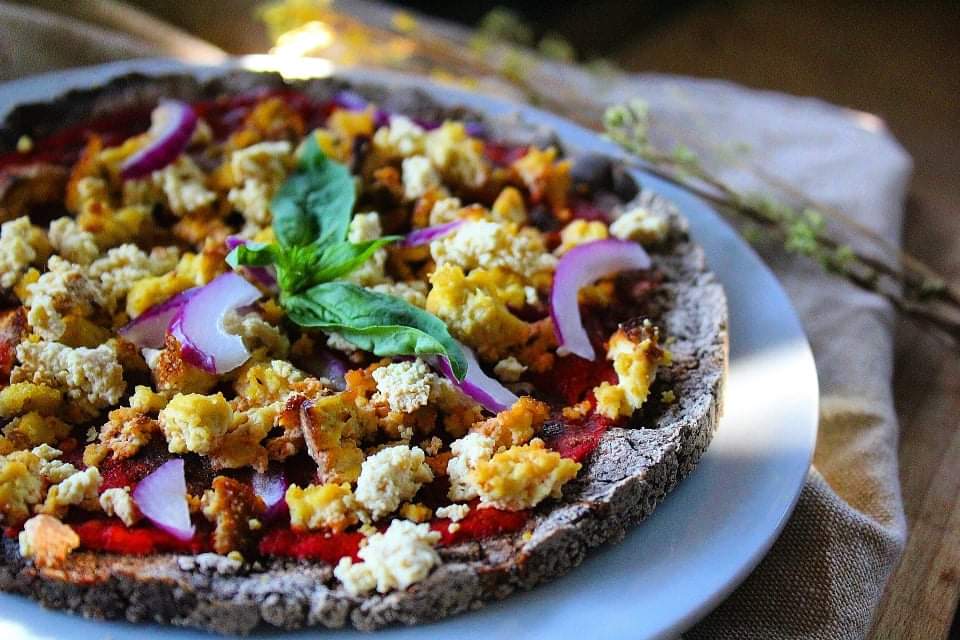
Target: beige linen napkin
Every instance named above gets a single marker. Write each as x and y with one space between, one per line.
825 575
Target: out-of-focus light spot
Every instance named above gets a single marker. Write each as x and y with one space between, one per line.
289 67
310 39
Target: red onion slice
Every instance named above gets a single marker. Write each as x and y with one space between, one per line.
272 489
198 326
172 125
577 268
149 329
491 395
162 498
427 235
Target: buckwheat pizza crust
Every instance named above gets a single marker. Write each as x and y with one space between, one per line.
622 482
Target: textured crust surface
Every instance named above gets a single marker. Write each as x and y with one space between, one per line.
621 483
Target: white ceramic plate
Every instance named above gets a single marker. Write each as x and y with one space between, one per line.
696 547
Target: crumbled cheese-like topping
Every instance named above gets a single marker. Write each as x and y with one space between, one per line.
124 265
47 541
259 170
489 245
636 365
389 477
413 292
195 422
65 289
419 177
401 138
20 486
455 512
457 156
445 210
92 376
183 185
19 244
364 227
509 369
118 502
641 225
467 452
395 559
257 333
79 489
329 505
404 386
72 242
522 477
579 232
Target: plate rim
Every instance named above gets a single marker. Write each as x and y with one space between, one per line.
46 86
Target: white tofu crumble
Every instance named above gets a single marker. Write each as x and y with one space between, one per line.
467 452
455 512
119 503
641 225
66 288
401 138
184 186
401 556
419 177
91 376
258 171
17 250
389 477
79 489
445 210
364 227
72 242
509 369
404 386
489 245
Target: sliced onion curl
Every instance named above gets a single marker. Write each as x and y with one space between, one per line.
491 395
162 499
327 364
271 487
427 235
172 124
198 325
149 329
264 275
577 268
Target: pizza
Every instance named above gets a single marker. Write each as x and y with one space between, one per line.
317 353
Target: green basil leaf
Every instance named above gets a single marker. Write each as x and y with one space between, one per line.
253 254
375 322
338 259
315 204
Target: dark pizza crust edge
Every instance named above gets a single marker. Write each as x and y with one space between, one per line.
621 483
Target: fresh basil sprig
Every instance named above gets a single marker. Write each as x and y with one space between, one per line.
311 218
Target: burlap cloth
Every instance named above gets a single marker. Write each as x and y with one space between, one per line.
825 575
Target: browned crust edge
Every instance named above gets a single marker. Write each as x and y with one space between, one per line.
622 482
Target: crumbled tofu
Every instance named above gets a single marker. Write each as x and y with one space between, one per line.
547 179
476 311
467 452
509 369
25 397
516 424
258 170
93 377
401 138
413 292
72 242
126 264
455 512
395 559
47 541
257 333
642 225
183 185
65 289
390 477
21 486
581 232
635 361
338 342
489 245
458 157
522 477
364 227
195 422
20 246
432 446
119 503
509 207
445 210
404 386
231 505
415 512
419 177
32 429
330 506
79 489
146 400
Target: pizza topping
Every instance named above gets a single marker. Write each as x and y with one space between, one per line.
311 381
401 556
47 541
582 265
205 341
173 124
162 498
